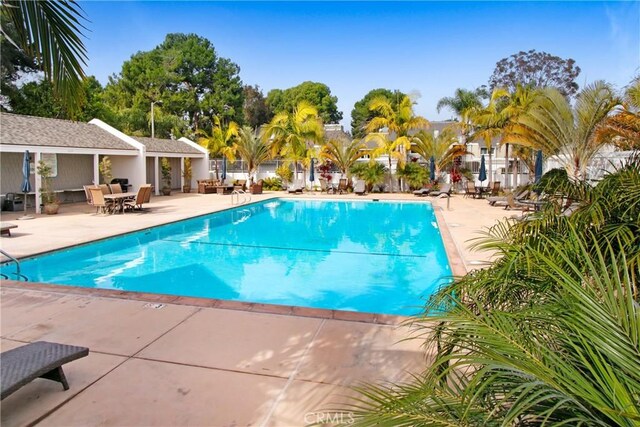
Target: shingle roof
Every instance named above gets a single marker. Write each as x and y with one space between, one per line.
17 129
156 145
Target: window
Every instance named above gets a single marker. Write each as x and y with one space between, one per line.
483 150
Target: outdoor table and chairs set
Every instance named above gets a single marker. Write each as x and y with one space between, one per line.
109 198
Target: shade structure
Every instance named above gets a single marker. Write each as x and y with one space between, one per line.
432 168
482 174
538 167
223 174
26 185
312 176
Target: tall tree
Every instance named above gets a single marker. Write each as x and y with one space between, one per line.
291 135
316 94
220 141
184 72
51 32
554 126
361 114
255 108
536 69
401 124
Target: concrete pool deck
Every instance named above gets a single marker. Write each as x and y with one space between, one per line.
188 364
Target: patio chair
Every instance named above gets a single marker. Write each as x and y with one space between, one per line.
139 200
500 200
342 185
359 188
87 193
323 185
445 189
41 359
115 188
105 189
422 192
495 189
99 202
512 203
240 184
294 187
256 188
472 191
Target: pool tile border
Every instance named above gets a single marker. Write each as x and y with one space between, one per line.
284 310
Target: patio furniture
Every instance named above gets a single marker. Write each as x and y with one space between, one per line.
323 185
115 188
224 189
240 184
207 186
294 187
494 200
40 359
342 185
118 200
495 189
98 200
445 189
472 191
359 188
137 203
512 203
422 192
256 188
5 228
105 189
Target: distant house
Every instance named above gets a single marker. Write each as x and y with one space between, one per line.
75 149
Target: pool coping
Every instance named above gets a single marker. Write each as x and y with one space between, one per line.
453 255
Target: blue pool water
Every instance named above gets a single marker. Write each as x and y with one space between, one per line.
349 255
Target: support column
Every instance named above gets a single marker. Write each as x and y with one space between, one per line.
156 174
182 172
38 182
96 169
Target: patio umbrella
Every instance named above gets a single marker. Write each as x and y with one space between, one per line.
432 168
312 176
223 174
26 185
482 175
538 168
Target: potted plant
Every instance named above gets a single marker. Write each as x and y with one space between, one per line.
105 170
166 176
49 200
186 174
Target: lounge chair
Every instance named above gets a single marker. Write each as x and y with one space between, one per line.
422 192
499 200
40 359
359 188
240 184
5 228
445 189
512 203
139 200
294 187
495 189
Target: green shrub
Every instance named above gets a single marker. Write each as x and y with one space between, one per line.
371 173
414 174
284 172
272 184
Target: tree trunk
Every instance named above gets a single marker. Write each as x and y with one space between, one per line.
390 176
490 165
506 167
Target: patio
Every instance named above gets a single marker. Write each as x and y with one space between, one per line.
185 363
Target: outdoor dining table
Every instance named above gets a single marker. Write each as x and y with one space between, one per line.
119 199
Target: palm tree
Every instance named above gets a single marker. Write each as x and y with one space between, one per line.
51 32
462 103
552 125
252 149
444 148
623 128
490 122
220 141
291 135
342 153
400 122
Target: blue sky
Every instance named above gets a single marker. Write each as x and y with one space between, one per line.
353 47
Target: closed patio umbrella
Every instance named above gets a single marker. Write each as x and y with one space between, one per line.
312 176
26 185
432 169
538 168
223 174
482 174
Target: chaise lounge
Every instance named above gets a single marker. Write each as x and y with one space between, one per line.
40 359
5 228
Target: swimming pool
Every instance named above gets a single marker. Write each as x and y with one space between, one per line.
378 257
